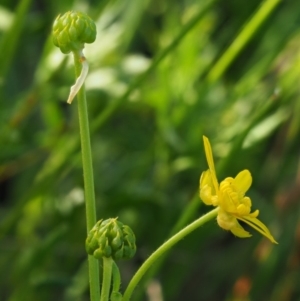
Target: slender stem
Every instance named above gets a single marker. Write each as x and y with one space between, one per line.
107 271
116 277
165 247
242 39
186 216
88 178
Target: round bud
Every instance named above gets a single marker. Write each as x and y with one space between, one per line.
110 238
71 30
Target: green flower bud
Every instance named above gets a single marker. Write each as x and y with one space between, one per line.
116 296
73 29
116 243
110 238
93 238
119 253
98 254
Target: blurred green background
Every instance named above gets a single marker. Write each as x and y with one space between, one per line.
162 74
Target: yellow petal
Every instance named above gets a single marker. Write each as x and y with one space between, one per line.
205 195
258 226
215 200
242 182
240 232
229 222
242 209
227 203
205 179
210 161
254 214
206 188
225 220
247 202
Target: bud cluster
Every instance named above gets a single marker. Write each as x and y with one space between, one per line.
110 238
71 30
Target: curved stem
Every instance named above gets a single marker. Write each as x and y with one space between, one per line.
165 247
187 215
107 271
88 176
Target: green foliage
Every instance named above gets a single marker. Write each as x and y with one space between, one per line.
153 89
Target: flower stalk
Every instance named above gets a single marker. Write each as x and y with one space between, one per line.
164 248
107 273
88 176
70 32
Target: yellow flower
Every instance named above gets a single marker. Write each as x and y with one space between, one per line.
229 195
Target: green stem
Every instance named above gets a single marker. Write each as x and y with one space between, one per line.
88 178
242 39
107 271
58 157
187 215
116 278
164 248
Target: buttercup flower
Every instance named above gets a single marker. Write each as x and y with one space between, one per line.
229 195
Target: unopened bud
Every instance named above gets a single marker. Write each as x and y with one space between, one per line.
71 30
110 238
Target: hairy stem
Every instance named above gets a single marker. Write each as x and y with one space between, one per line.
88 177
164 248
116 278
107 271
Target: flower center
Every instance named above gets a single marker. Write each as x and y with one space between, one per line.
232 201
228 191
